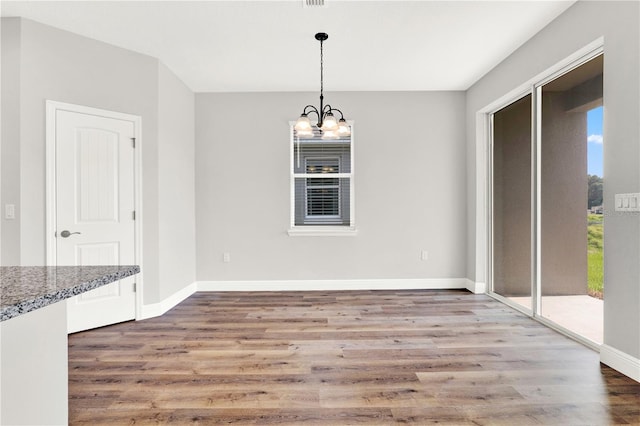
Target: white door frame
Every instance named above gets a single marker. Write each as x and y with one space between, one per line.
52 107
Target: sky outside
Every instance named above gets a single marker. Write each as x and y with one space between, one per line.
594 141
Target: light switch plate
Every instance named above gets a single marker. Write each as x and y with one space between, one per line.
9 211
627 202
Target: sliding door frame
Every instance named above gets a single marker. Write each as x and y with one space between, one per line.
485 169
489 117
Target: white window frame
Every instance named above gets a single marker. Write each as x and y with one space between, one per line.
321 230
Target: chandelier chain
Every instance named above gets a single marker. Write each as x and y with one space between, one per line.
321 70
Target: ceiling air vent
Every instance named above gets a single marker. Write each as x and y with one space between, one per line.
313 3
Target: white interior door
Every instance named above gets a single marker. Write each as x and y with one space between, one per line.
95 219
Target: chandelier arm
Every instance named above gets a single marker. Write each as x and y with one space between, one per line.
309 109
341 114
312 109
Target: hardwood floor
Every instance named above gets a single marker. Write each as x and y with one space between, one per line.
342 358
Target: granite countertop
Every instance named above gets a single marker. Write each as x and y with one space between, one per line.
27 288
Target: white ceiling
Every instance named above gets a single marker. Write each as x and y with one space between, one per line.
233 46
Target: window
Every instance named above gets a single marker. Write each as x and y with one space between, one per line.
323 194
321 185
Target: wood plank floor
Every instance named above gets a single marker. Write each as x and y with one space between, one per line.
342 358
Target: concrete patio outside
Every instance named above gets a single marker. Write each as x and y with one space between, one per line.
580 314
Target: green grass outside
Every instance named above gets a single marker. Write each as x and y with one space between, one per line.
595 258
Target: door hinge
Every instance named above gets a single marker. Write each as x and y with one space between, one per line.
135 287
133 215
133 142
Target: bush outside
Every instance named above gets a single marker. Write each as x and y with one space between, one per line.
595 258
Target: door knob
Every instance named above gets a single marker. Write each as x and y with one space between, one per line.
66 234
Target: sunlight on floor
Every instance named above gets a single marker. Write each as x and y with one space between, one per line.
581 314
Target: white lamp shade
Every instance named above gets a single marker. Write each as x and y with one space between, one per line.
330 134
329 123
303 124
343 128
308 133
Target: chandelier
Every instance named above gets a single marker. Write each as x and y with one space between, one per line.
329 126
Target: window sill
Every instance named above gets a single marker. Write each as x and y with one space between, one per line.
323 231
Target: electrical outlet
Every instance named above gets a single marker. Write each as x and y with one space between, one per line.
424 255
226 257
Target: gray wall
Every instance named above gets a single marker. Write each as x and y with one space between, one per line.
61 66
619 23
409 188
176 183
10 143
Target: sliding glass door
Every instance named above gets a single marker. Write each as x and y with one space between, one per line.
511 191
546 212
565 210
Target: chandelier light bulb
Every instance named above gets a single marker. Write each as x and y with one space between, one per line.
303 124
305 134
343 128
329 123
330 134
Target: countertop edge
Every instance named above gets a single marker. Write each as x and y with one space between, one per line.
23 307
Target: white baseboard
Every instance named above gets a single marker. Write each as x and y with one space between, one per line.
320 285
475 287
620 361
157 309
